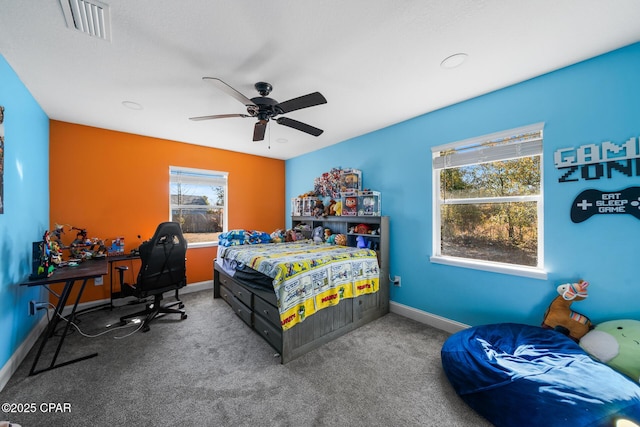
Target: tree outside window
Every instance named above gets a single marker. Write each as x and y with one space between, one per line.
488 199
198 200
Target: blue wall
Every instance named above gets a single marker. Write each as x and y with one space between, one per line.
26 206
590 102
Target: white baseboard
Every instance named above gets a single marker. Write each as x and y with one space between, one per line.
18 356
430 319
192 287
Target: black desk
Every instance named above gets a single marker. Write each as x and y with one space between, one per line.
68 275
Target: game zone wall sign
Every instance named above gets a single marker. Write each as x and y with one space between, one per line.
593 162
596 161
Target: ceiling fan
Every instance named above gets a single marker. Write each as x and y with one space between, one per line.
264 108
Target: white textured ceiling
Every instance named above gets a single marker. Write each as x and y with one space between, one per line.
376 61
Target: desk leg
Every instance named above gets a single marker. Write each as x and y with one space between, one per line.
52 325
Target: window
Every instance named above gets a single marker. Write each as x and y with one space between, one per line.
198 201
487 202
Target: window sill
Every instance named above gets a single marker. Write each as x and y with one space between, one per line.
494 267
201 245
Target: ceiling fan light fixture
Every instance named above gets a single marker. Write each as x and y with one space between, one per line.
264 109
454 61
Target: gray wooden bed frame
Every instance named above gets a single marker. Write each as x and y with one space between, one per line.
257 307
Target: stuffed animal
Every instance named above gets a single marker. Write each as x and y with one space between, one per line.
337 208
616 343
362 229
290 236
341 240
318 234
318 209
330 209
277 236
559 315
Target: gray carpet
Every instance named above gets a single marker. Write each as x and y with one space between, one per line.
211 370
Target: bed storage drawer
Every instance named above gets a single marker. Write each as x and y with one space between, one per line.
226 294
242 311
268 331
224 280
267 311
242 293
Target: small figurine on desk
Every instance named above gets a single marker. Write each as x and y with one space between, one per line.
42 263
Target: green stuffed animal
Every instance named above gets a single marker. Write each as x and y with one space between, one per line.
616 343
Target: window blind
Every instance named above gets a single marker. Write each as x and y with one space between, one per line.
520 142
199 177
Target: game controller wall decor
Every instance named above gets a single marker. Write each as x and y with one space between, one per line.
592 202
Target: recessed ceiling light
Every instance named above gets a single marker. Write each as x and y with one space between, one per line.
132 105
454 60
282 140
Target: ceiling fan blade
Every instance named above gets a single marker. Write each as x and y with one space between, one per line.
285 121
304 101
259 130
218 116
230 91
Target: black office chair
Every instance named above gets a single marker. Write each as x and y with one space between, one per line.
162 269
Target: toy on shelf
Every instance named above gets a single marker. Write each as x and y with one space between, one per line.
318 234
318 209
340 239
350 180
368 203
337 208
350 203
296 206
330 209
308 205
328 184
559 315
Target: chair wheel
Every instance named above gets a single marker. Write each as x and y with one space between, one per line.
181 305
184 316
145 328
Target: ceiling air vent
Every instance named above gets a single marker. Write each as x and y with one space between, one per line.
88 16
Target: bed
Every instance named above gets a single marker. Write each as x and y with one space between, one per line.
521 375
300 295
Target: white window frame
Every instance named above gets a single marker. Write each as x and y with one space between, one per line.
201 176
481 155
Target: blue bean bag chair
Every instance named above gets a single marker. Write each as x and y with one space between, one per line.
521 375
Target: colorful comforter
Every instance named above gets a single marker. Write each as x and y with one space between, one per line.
307 276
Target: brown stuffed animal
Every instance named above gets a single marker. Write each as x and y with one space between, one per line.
330 209
559 315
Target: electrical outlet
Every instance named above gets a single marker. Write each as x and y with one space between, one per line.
397 281
35 306
32 308
98 281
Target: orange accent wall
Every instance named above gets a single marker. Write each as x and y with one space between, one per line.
116 184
